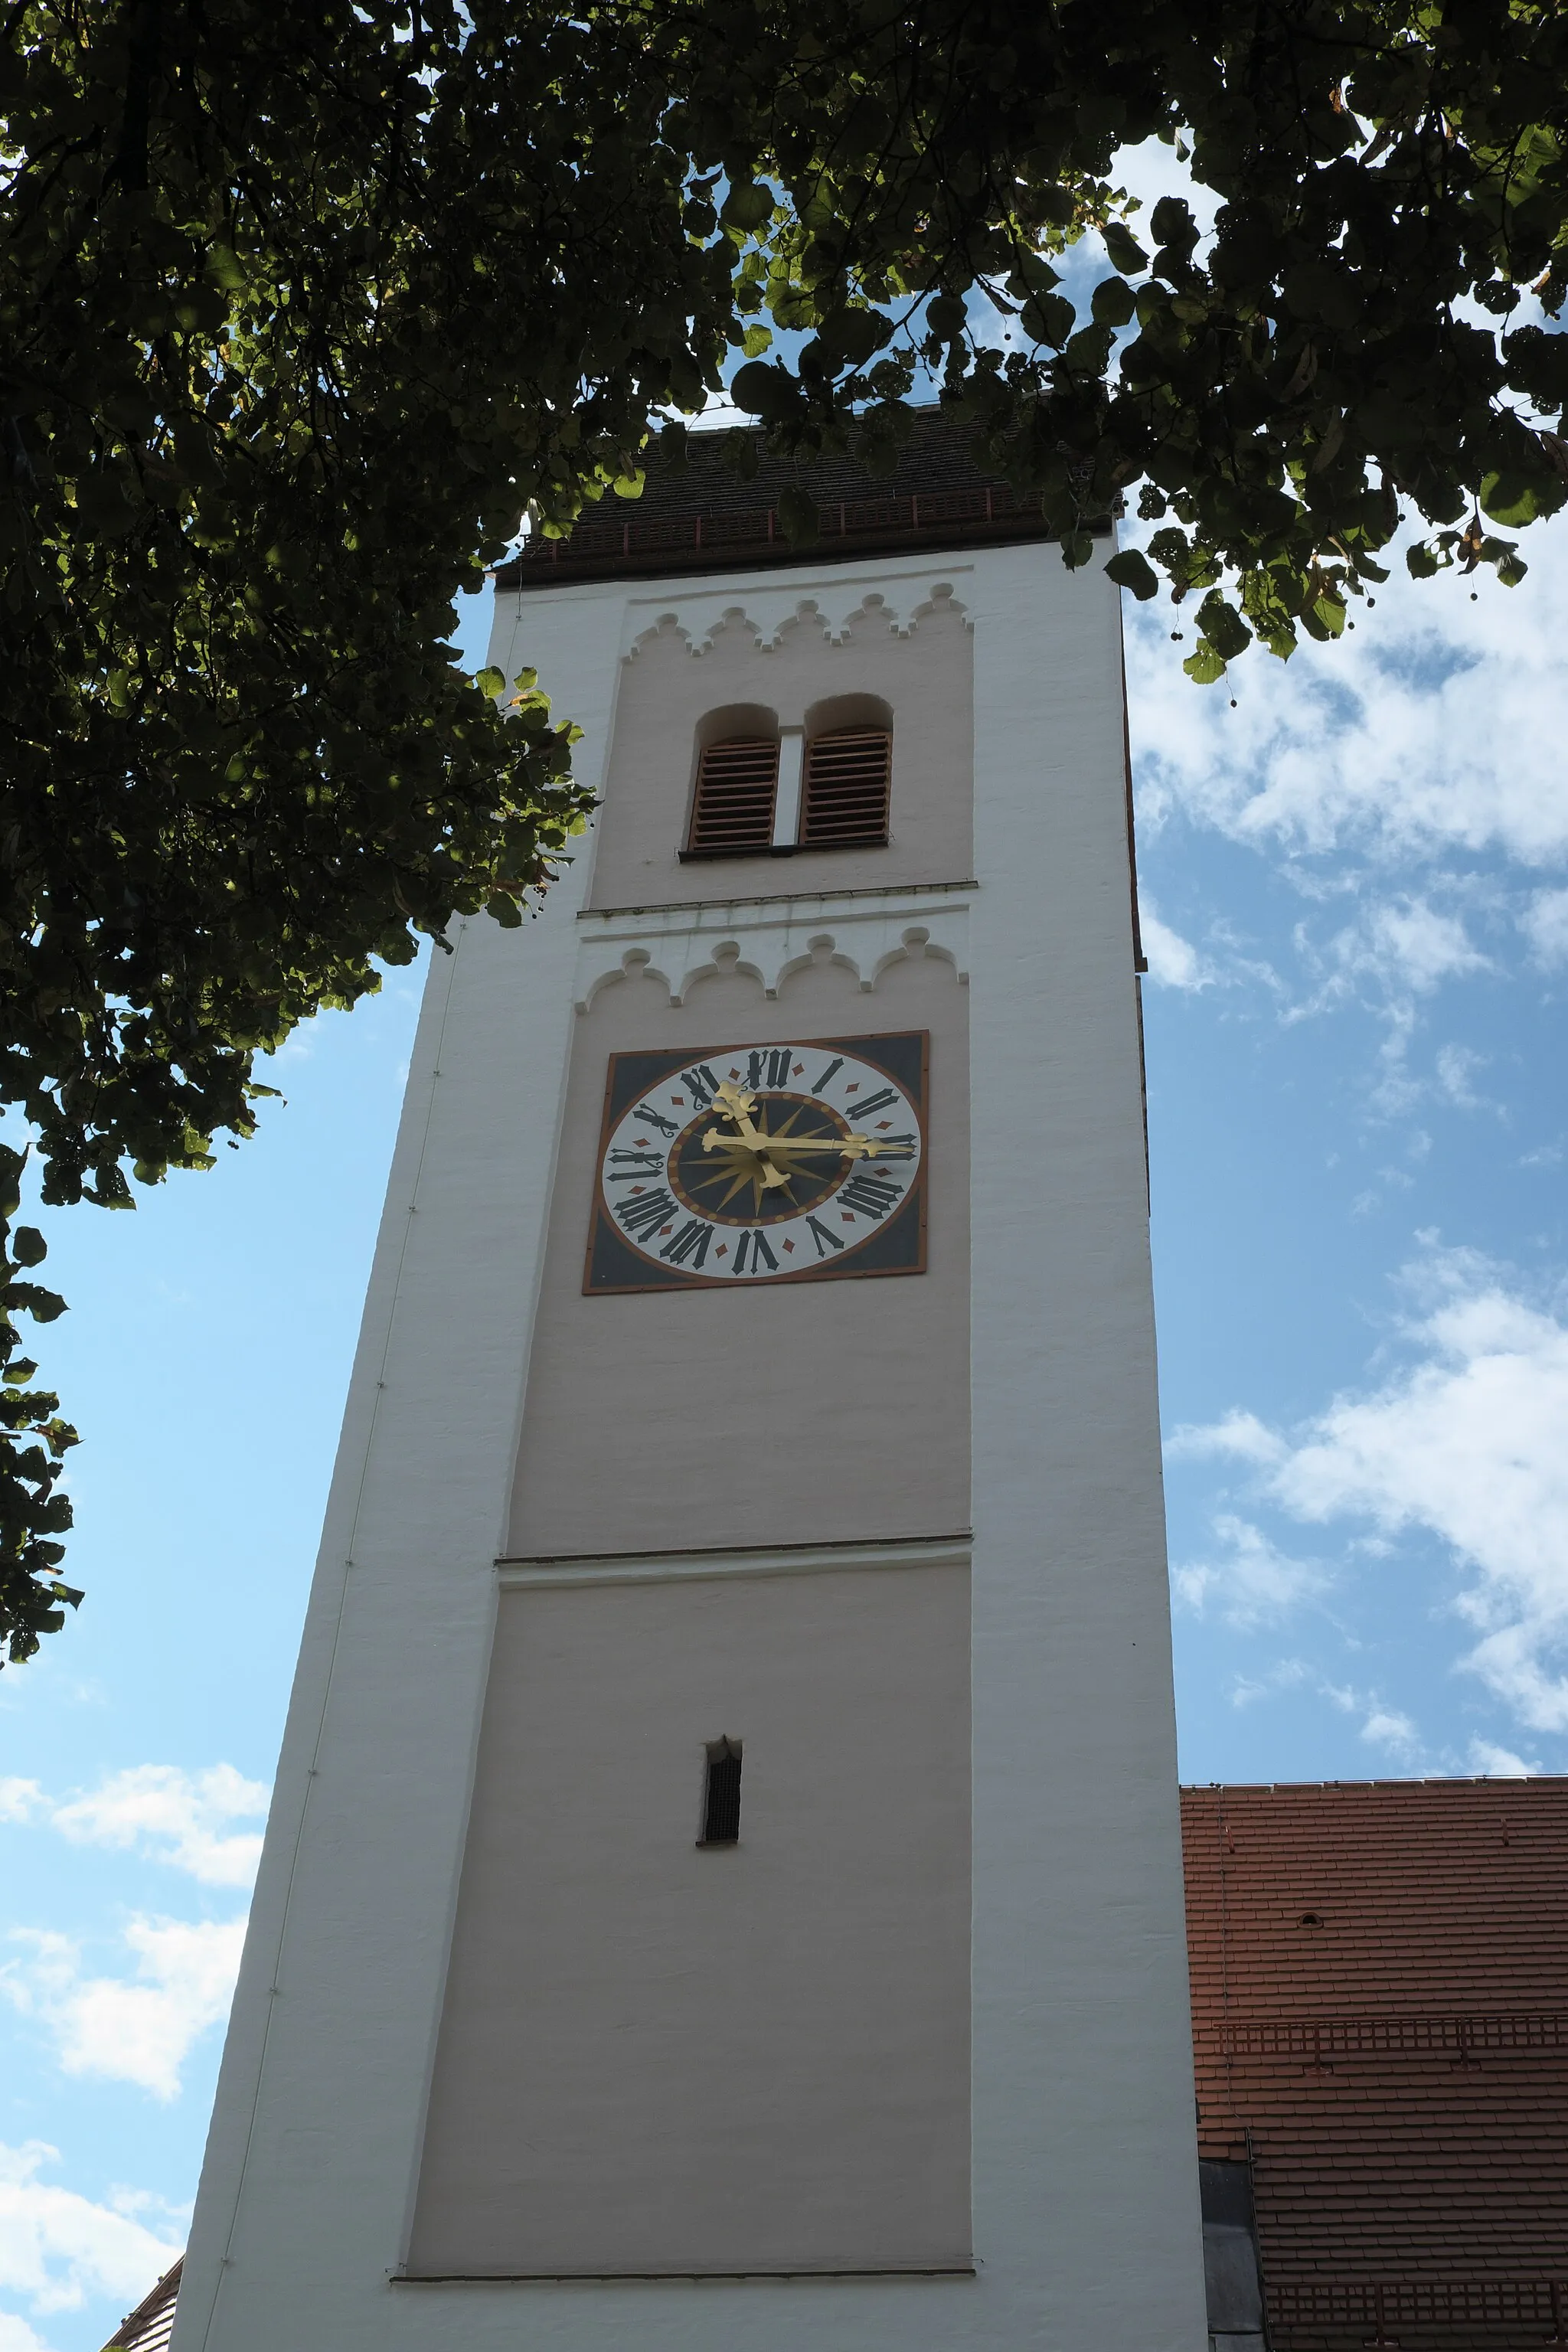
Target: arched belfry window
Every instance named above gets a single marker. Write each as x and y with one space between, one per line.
721 1794
848 776
737 785
763 789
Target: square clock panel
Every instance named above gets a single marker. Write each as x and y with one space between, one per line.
761 1163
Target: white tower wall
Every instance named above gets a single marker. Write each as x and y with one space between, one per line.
1082 2179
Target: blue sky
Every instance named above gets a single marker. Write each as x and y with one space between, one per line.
1357 905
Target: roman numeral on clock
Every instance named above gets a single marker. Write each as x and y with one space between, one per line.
635 1163
646 1112
769 1067
753 1246
645 1215
692 1242
876 1102
873 1196
702 1084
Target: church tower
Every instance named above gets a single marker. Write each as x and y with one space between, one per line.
723 1890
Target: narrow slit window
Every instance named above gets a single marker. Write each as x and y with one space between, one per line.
721 1794
848 774
737 784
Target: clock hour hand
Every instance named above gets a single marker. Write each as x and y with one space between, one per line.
768 1151
734 1103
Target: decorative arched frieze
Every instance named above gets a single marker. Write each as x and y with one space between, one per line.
727 963
941 604
666 630
772 618
915 944
636 964
770 942
822 951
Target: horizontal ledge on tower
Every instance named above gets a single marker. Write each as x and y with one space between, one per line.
687 1562
674 2277
773 899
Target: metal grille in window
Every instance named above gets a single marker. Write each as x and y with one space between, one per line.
848 775
736 785
721 1794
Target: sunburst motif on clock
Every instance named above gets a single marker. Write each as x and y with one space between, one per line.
761 1163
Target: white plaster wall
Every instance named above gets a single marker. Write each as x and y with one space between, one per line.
649 1413
1086 2220
1085 2157
657 2057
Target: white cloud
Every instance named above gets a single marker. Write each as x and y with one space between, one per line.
1437 725
1407 943
1251 1582
178 1817
1468 1442
16 2335
1173 961
129 2029
1388 1726
19 1801
1239 1433
1545 925
1457 1065
1486 1756
57 2247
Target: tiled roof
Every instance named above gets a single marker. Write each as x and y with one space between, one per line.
705 516
1380 2011
1379 2018
149 2327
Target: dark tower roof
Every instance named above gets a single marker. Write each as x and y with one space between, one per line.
705 516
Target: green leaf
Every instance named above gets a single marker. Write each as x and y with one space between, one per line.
1173 225
1223 626
28 1246
222 266
27 1298
490 682
1508 498
1133 569
798 513
1205 667
1112 302
1126 254
1048 318
748 206
766 390
855 334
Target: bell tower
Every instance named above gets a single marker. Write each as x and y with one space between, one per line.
723 1886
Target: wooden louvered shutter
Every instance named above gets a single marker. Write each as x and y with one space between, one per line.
847 776
736 785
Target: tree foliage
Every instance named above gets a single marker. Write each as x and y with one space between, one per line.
302 306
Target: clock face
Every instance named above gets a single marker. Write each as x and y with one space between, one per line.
761 1163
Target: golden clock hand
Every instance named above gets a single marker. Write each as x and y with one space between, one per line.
847 1146
734 1102
748 1155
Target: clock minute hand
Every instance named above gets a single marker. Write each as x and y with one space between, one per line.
845 1147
